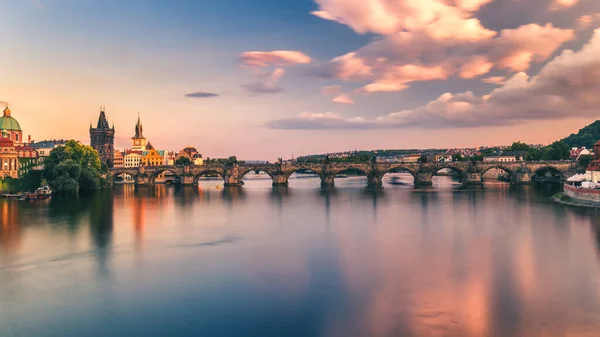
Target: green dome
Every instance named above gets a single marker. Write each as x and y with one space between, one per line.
9 123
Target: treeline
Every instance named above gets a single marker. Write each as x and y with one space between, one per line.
71 168
558 150
586 137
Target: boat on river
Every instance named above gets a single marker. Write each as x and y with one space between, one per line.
43 192
397 181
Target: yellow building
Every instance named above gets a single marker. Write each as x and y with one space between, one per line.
9 157
152 157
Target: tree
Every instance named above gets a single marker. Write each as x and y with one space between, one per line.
74 167
559 150
183 161
584 160
519 147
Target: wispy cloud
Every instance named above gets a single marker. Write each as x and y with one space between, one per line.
263 59
201 94
266 83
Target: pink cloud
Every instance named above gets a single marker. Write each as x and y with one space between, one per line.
331 90
342 98
517 48
440 18
273 58
396 78
266 82
585 21
494 80
566 87
562 4
387 62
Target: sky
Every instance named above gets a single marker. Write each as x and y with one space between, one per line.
262 79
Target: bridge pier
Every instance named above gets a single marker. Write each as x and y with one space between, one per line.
473 178
142 181
327 180
280 179
423 179
187 180
522 177
374 180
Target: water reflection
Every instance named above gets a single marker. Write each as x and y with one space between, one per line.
501 260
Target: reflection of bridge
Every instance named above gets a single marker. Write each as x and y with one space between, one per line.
468 172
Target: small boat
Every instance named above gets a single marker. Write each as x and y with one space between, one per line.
218 187
341 176
397 181
43 192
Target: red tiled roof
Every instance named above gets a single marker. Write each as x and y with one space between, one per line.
5 142
594 166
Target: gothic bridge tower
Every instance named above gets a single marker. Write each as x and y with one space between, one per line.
102 139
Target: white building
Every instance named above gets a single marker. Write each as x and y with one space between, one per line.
44 147
132 158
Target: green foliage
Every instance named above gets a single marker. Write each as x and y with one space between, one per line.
74 167
588 136
183 161
584 160
520 147
458 157
26 165
558 150
223 161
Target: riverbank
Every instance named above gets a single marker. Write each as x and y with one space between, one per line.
564 199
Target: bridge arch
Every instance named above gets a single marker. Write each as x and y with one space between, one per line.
390 175
208 173
256 170
175 177
304 176
512 176
539 174
254 178
116 173
461 174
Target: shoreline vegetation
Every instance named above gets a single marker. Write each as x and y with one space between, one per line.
564 199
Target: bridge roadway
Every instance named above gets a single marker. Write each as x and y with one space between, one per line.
519 172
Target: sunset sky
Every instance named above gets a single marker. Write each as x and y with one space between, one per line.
263 79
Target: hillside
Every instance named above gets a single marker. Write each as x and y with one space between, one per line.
587 136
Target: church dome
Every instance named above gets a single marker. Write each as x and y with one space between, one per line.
9 123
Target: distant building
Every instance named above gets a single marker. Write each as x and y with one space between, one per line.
44 147
9 161
102 139
410 158
504 157
192 154
577 152
118 159
132 158
593 170
152 157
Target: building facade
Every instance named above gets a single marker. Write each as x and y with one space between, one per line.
118 159
102 139
132 158
9 157
152 157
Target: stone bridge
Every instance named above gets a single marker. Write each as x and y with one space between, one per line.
469 172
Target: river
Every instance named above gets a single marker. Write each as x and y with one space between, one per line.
255 261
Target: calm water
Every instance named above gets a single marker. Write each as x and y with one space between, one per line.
199 261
